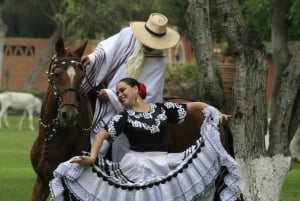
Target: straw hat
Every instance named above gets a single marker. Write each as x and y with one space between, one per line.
155 33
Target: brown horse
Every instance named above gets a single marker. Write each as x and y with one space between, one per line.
65 119
181 136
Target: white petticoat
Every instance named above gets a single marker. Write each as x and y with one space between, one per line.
156 176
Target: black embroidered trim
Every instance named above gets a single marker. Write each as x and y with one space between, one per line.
156 183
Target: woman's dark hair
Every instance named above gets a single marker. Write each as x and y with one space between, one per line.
133 82
130 81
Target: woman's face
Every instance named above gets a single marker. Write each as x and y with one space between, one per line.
127 95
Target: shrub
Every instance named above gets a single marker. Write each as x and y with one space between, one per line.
182 81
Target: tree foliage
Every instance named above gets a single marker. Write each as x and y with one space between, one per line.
94 18
182 81
258 14
30 18
87 18
294 20
175 10
258 9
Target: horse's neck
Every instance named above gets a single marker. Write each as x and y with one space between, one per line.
85 109
177 100
49 107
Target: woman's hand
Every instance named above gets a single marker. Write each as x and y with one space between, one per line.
83 160
224 116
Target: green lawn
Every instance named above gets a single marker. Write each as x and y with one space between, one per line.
17 176
16 173
291 188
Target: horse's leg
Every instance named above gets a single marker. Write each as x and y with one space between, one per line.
5 119
40 190
2 113
228 140
22 120
0 121
30 118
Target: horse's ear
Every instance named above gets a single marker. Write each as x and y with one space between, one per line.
60 47
79 51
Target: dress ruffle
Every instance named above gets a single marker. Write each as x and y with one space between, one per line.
186 176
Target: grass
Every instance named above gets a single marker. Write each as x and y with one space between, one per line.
17 177
290 190
16 173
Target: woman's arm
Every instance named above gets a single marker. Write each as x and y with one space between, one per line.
88 160
99 138
199 106
196 106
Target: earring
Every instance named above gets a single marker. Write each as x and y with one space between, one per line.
137 100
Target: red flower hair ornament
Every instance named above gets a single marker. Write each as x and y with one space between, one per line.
142 90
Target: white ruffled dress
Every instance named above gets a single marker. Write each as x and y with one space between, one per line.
204 171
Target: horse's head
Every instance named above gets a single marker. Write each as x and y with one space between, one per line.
65 75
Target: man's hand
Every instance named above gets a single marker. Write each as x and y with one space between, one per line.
85 60
102 96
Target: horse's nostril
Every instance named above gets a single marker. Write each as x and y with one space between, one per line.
64 115
69 117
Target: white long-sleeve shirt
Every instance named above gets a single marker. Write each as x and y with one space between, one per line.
108 66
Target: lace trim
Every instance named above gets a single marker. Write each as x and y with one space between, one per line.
181 111
210 133
111 129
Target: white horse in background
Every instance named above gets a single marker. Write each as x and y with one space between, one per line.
25 102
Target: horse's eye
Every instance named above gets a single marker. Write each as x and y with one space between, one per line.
55 75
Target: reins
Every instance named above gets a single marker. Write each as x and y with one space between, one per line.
92 95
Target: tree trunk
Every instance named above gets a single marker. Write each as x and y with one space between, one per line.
3 29
284 105
295 146
262 175
280 51
211 89
285 121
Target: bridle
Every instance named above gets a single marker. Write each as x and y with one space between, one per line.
62 63
54 64
53 125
